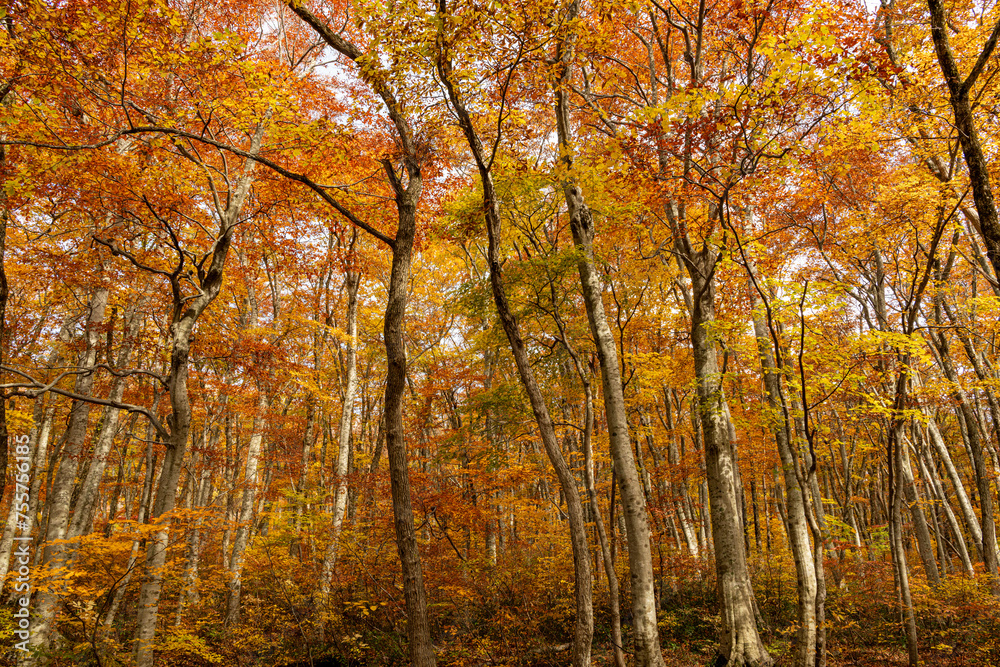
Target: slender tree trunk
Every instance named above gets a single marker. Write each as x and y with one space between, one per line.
930 474
895 461
421 650
584 629
246 518
343 434
86 501
60 497
740 642
617 647
796 523
602 536
647 639
987 544
960 96
574 507
189 592
924 544
185 316
964 503
407 197
39 440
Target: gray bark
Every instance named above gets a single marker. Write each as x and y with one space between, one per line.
740 643
584 628
186 313
407 197
343 434
796 522
60 496
246 517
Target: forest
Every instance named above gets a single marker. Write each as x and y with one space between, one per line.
469 332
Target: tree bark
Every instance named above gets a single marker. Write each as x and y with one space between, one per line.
343 434
246 516
407 197
740 642
584 628
647 638
959 95
60 497
987 542
185 316
83 512
796 523
924 544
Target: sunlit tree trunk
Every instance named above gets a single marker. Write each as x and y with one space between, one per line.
83 511
895 462
924 544
930 474
343 433
647 639
38 445
796 523
60 497
740 642
987 542
584 628
185 316
246 515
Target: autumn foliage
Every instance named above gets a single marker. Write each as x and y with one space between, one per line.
238 238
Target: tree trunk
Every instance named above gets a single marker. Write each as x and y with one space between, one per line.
584 629
38 446
972 149
796 523
185 316
86 501
343 434
246 517
647 639
987 544
418 627
930 474
924 544
740 642
60 497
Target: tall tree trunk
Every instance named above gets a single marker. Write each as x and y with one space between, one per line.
86 501
895 444
407 197
38 444
421 650
961 496
796 523
607 558
343 434
930 474
912 497
960 97
60 497
740 642
584 629
198 499
647 639
246 517
186 313
988 543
